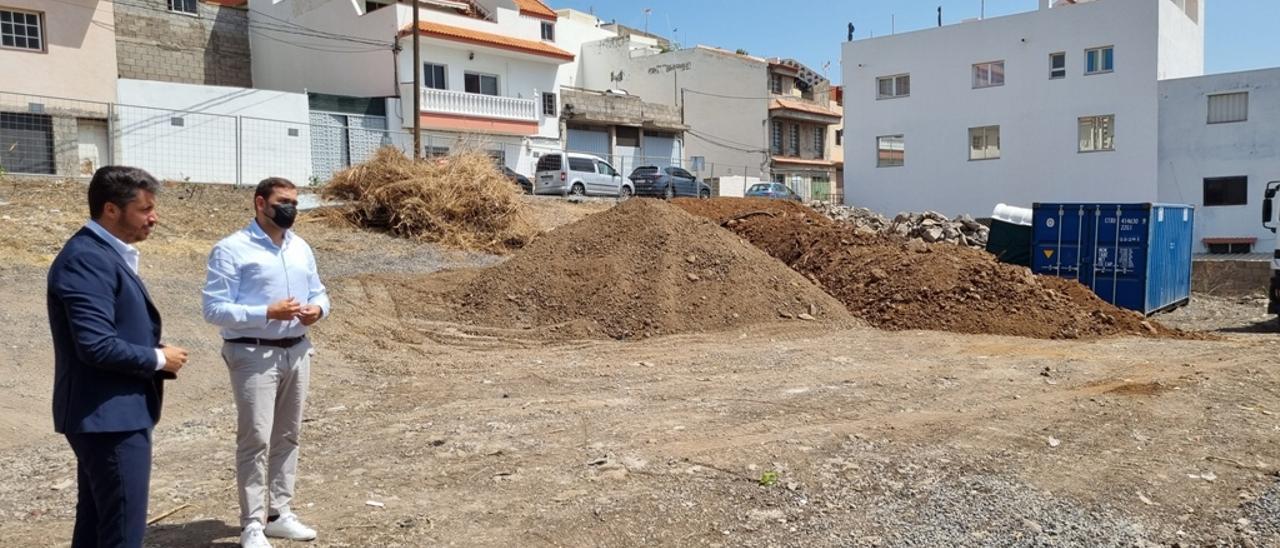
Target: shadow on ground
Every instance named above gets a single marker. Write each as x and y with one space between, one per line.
195 534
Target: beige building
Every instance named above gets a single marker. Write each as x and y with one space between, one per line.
804 122
52 50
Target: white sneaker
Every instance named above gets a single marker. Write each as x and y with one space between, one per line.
252 537
289 527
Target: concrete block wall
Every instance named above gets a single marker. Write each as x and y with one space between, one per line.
153 43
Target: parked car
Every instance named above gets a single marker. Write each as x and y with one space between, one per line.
777 191
667 182
525 185
575 174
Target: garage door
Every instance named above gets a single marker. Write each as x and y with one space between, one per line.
26 143
589 141
661 150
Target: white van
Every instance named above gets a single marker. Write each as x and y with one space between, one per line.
572 174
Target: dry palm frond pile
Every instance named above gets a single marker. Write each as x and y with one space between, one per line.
463 201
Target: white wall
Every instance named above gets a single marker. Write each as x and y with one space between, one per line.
519 76
572 31
290 62
1038 116
203 148
1192 149
727 132
1181 42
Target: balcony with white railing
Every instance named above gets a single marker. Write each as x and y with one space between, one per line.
458 103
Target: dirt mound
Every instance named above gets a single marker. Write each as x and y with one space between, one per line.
462 201
640 269
899 285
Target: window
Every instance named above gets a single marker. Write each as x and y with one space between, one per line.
775 83
435 152
549 31
987 75
582 164
1057 65
484 84
371 5
678 172
549 104
1190 7
21 30
984 143
893 86
627 136
605 169
184 6
820 141
775 140
1097 133
839 137
891 151
795 140
1226 191
1099 60
433 76
1229 248
1228 107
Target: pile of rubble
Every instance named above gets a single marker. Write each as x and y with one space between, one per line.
930 226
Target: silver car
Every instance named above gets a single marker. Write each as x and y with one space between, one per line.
573 174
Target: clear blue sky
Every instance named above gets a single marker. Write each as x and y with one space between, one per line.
1240 34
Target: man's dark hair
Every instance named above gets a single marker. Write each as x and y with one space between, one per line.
269 185
118 185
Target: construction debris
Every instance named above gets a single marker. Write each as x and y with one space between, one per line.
929 227
462 201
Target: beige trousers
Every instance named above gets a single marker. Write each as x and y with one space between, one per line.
270 386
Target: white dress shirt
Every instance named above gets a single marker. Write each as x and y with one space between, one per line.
248 272
130 256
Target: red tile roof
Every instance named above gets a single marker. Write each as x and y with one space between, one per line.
786 104
535 8
458 34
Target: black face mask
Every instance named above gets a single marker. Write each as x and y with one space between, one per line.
283 215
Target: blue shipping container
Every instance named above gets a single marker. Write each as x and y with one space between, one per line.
1135 256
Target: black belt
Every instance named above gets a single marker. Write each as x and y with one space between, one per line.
278 343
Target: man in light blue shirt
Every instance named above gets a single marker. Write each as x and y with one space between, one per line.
264 291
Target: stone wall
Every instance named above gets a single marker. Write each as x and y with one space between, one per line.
153 43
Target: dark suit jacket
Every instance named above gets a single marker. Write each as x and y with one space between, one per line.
105 334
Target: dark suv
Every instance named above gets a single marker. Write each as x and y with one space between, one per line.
667 182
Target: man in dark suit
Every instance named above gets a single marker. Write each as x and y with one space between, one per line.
109 364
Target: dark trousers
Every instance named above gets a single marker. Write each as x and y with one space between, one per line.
113 475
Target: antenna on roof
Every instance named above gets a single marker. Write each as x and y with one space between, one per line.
850 33
939 16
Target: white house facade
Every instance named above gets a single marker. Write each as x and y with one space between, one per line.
1218 150
1057 104
489 68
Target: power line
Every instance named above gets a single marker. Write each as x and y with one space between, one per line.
696 92
311 47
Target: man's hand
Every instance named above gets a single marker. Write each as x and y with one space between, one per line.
174 358
310 314
284 311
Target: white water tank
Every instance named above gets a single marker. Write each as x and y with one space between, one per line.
1013 215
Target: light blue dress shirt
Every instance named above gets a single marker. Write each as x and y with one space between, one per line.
130 256
248 272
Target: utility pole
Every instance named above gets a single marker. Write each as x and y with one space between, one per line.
417 87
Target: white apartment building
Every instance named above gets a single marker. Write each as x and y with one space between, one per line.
1057 104
490 68
1218 150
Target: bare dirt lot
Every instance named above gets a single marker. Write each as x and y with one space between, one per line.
423 432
